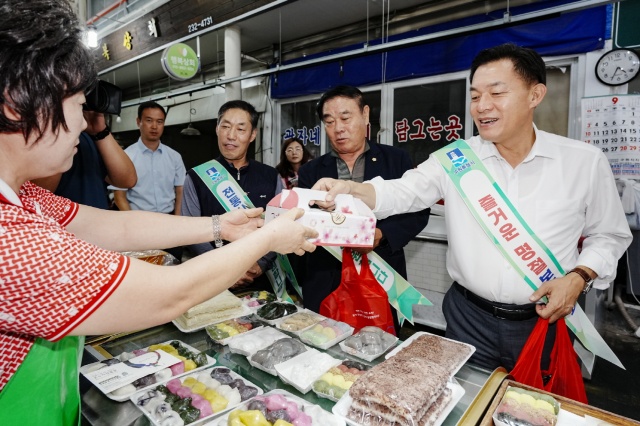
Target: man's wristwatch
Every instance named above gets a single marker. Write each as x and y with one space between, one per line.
588 281
101 135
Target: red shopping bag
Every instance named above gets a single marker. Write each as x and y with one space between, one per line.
359 300
564 374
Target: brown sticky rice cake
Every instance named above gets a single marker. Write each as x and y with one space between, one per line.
436 409
448 354
405 387
374 415
224 305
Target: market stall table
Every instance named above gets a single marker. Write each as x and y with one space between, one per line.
99 410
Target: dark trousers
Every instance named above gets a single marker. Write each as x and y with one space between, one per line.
498 342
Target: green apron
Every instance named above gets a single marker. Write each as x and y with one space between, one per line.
44 390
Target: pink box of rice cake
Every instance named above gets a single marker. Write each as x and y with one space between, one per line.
351 224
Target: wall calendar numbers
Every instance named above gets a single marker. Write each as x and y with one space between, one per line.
612 123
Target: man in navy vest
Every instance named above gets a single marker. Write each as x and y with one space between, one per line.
236 130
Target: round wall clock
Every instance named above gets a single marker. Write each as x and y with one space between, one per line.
617 66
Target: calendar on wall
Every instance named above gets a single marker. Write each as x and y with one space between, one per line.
612 123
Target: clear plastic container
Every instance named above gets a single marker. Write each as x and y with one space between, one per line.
326 334
286 406
336 381
212 391
303 370
124 393
369 343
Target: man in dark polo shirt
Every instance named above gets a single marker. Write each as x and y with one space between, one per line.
236 130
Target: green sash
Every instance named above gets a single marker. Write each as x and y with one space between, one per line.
44 390
231 196
512 236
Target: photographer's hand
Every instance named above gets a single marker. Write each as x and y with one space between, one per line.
120 170
96 122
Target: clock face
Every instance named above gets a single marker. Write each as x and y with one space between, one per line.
618 66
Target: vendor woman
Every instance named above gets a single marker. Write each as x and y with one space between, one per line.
61 276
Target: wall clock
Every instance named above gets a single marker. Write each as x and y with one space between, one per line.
617 66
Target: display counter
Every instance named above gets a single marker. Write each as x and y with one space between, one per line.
98 409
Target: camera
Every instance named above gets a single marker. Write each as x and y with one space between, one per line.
104 97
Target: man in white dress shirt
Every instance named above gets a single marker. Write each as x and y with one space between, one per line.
564 189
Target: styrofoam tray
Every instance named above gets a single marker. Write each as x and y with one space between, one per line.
269 334
319 416
341 408
408 341
311 359
245 311
120 398
182 378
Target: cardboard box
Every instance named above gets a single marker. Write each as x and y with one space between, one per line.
351 224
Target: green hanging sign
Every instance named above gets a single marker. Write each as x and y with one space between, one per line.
180 61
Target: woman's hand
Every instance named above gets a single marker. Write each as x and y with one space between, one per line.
288 236
238 223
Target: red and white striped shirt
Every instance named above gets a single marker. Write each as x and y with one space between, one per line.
50 281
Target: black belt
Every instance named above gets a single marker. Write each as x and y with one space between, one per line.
499 310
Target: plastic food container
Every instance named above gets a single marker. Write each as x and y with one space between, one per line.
272 312
243 311
280 404
336 381
255 299
249 343
162 376
369 343
301 320
303 370
326 333
521 407
279 351
224 331
442 351
196 397
341 408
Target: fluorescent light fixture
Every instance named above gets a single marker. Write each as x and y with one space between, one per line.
92 37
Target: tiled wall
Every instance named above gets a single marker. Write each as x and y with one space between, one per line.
426 265
427 272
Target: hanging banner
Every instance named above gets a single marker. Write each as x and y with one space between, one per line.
512 236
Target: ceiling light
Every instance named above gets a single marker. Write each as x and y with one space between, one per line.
190 130
92 37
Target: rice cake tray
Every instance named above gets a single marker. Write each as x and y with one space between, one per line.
342 407
450 354
123 394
